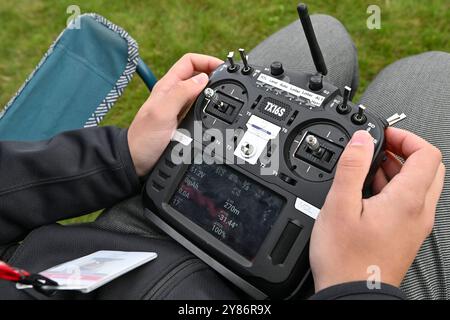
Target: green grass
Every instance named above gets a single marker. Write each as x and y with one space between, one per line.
165 29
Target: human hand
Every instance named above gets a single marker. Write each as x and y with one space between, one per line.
153 126
385 230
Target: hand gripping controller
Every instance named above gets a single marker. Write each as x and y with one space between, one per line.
251 167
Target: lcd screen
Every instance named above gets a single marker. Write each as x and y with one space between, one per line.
227 204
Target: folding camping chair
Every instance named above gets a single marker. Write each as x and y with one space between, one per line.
76 83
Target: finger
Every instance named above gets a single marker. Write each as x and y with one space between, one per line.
187 66
391 166
191 63
403 143
420 167
181 95
353 166
379 181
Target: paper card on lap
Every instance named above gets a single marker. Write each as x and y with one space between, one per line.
95 270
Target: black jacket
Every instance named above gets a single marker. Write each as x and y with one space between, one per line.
83 171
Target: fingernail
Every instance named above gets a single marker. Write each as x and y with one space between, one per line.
201 78
360 137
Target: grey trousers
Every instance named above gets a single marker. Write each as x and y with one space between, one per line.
419 86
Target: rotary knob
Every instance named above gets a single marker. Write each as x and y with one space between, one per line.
276 68
315 82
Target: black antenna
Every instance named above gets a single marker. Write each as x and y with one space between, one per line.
311 37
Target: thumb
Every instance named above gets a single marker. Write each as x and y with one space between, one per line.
354 165
184 93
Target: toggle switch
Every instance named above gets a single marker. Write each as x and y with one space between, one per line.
344 108
232 66
247 69
359 118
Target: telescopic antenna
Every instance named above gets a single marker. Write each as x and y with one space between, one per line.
302 10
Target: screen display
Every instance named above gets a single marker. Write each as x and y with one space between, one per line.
233 208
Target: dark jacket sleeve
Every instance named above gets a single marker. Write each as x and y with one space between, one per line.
74 173
359 291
